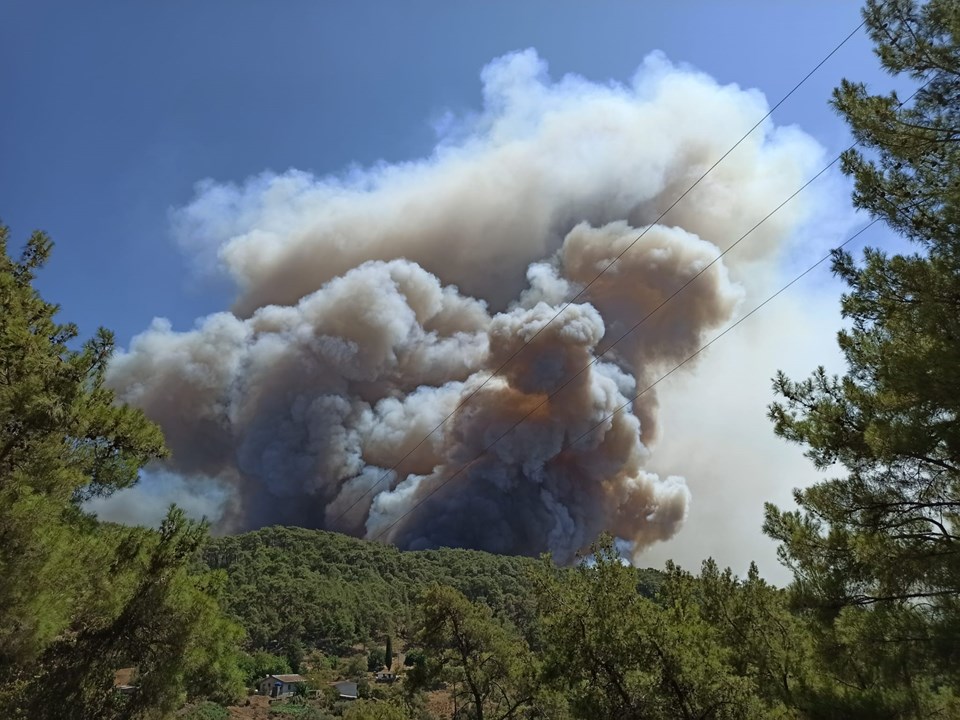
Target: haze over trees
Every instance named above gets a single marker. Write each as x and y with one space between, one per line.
869 628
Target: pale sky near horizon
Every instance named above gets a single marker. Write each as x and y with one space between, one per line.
113 113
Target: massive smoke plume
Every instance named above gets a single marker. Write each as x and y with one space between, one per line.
371 304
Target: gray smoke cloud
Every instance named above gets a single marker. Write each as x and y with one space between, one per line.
371 304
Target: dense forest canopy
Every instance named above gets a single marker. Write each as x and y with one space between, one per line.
293 586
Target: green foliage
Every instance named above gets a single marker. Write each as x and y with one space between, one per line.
883 533
907 167
295 653
355 667
388 653
414 657
297 711
375 660
336 591
368 710
80 599
62 439
488 666
364 687
258 664
766 642
612 653
874 551
169 627
203 711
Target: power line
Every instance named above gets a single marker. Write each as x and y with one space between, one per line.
689 357
634 398
586 287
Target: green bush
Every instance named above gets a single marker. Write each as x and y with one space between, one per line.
299 711
203 711
260 663
375 660
414 657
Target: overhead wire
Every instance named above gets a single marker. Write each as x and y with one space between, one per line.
686 360
606 268
635 397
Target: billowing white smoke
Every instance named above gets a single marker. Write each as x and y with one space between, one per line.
372 304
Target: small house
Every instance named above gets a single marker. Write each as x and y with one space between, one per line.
386 677
278 686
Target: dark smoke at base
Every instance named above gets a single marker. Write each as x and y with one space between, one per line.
371 304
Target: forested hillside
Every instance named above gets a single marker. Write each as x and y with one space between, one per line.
291 586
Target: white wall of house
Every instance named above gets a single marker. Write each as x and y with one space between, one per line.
267 685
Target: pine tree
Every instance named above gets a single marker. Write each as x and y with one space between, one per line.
487 666
884 534
62 440
80 599
610 653
388 652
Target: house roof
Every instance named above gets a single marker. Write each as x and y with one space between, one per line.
288 678
346 688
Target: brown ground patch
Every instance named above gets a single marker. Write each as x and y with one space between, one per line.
258 709
439 703
124 676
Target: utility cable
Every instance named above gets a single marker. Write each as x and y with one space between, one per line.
586 287
689 357
646 389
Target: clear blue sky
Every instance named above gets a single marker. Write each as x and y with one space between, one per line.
113 110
